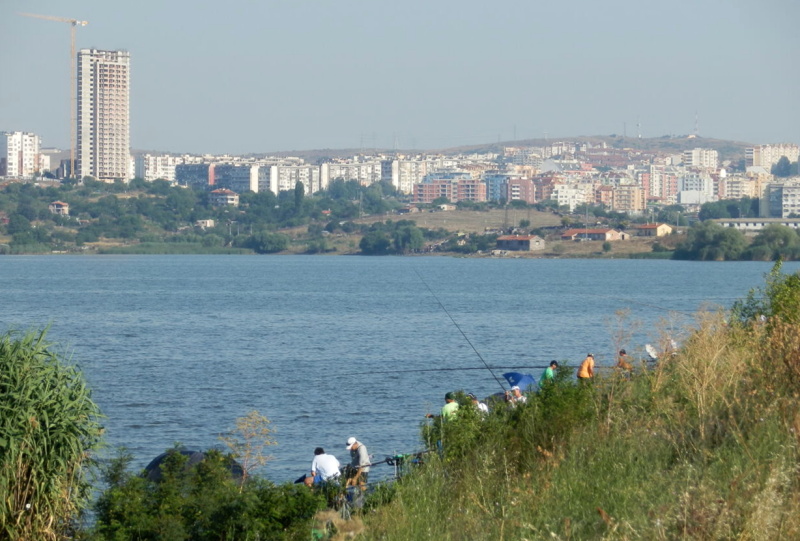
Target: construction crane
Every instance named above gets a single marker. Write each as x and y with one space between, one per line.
72 70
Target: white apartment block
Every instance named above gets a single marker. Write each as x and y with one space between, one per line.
768 155
20 155
695 188
404 174
701 157
365 173
285 177
150 167
103 115
738 187
572 195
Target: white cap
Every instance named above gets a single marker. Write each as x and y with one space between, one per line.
515 388
350 441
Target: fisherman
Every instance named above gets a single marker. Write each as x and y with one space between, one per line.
550 373
622 362
324 468
516 396
359 463
586 370
450 408
480 406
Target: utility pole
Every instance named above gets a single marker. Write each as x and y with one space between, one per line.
72 70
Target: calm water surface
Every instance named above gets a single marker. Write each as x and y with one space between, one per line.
176 348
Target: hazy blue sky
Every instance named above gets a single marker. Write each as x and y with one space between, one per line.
257 76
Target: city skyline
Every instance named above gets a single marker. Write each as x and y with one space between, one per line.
268 78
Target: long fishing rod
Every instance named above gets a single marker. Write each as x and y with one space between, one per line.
411 370
500 383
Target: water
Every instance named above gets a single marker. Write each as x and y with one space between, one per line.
176 348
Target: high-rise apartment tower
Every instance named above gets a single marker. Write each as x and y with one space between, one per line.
103 114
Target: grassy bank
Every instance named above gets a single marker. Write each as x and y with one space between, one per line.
702 446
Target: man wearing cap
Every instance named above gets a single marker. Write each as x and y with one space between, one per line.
359 461
450 408
481 406
586 371
516 396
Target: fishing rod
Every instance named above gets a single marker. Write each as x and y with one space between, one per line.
411 370
459 330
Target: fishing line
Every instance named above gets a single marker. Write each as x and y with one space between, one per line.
459 330
686 313
411 370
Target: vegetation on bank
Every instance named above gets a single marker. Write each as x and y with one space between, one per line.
703 445
709 241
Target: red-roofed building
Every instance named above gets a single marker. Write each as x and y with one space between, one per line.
523 243
59 207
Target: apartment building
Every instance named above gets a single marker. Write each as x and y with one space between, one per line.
150 167
768 155
285 177
781 200
103 115
521 189
404 174
20 155
365 173
628 198
701 157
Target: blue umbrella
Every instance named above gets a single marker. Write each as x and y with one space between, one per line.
525 382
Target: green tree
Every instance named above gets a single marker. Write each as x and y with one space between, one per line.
375 243
17 223
774 242
48 427
407 238
783 168
709 241
265 242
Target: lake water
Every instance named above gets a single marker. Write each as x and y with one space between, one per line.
176 348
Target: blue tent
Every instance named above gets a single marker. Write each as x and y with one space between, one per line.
525 382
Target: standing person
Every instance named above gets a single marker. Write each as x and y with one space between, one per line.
480 406
450 408
622 362
550 373
586 371
324 467
359 461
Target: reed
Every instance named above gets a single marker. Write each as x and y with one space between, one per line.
48 426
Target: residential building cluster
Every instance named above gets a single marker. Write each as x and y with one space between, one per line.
567 172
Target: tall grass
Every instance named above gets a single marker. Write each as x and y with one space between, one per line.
702 446
48 425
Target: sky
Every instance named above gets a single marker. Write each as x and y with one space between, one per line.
262 76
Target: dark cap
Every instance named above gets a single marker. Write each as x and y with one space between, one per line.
450 396
472 396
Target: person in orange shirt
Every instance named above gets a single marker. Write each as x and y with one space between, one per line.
586 371
622 362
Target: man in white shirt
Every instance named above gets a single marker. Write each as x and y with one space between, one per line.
324 467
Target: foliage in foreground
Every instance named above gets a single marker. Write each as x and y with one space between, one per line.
48 426
702 446
200 503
